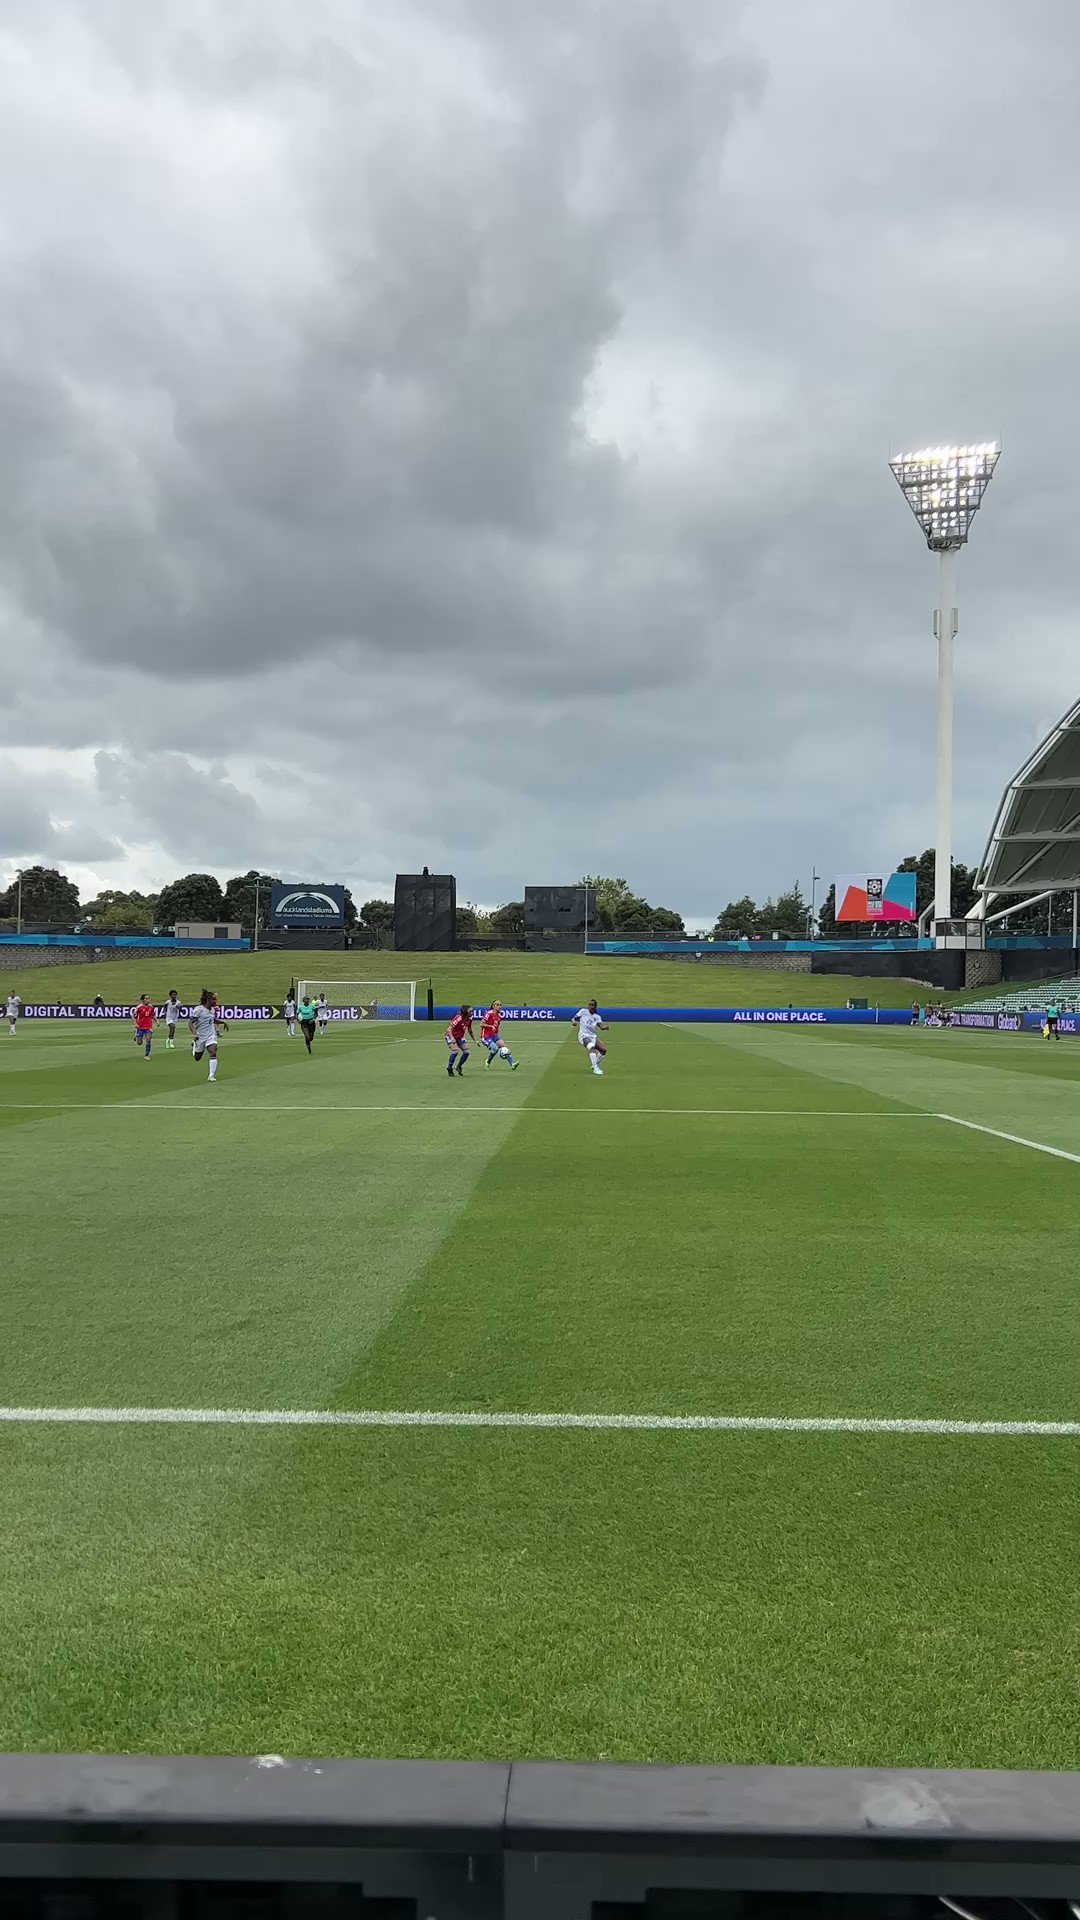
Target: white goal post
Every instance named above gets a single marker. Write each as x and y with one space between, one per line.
363 999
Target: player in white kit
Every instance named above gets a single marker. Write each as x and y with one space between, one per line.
322 1012
289 1011
14 1008
204 1024
173 1012
590 1025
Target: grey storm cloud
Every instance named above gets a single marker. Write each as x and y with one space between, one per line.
455 431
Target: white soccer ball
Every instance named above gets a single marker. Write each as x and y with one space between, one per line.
504 1053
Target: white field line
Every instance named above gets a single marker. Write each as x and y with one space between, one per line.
165 1105
1015 1139
594 1422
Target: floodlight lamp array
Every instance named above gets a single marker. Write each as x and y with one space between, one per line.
944 487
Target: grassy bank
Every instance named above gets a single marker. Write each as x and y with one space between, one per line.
540 979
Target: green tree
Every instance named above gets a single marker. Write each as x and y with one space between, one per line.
1055 914
508 922
922 866
789 914
607 900
114 911
47 895
238 900
197 896
826 918
737 920
351 914
467 921
666 920
377 917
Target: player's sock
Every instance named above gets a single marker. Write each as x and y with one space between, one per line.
213 1069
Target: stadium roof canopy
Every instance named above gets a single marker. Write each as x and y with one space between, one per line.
1035 843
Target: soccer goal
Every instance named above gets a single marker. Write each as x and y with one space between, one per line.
364 999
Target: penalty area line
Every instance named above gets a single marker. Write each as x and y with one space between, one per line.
217 1105
592 1422
1014 1139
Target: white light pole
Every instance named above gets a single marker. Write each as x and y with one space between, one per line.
255 927
18 910
944 487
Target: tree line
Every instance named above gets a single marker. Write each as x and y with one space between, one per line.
790 914
50 898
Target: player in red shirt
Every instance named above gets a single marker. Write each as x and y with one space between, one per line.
489 1036
144 1025
458 1033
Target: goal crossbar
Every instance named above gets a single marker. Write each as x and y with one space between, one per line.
363 999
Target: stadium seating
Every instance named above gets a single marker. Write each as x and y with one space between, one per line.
1035 995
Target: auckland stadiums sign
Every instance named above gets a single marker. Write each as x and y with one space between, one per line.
310 905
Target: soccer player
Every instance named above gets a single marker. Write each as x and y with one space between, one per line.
144 1025
489 1036
322 1012
458 1034
289 1010
14 1008
590 1025
307 1020
1052 1015
205 1025
172 1020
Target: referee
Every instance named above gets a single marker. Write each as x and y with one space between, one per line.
307 1020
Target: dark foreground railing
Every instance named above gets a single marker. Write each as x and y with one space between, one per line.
186 1839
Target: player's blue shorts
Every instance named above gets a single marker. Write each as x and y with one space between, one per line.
491 1042
456 1046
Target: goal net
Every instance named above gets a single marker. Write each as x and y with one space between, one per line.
364 999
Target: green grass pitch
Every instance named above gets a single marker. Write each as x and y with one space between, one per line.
767 1223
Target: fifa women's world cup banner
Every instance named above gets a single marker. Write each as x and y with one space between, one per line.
875 896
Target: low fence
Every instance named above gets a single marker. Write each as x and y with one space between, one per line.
867 942
89 945
21 952
20 959
154 1839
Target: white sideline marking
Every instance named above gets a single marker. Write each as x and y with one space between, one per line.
597 1422
1016 1139
219 1106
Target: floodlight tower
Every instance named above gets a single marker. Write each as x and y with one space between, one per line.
944 487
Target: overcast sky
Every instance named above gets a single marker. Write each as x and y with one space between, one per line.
454 432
